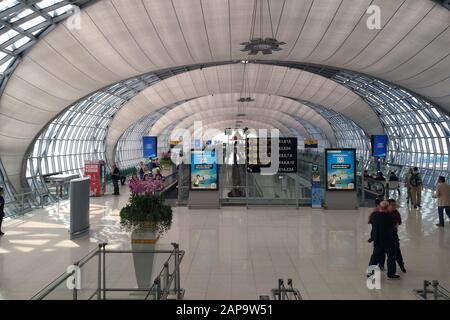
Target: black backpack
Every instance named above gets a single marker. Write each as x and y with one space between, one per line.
415 180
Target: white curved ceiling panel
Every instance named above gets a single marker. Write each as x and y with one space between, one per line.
109 20
272 123
93 40
276 117
223 124
207 81
120 39
429 35
80 56
262 102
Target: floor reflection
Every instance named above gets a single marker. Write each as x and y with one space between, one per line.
234 252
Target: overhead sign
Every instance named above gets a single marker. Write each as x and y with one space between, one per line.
258 156
311 143
340 165
379 145
150 145
203 170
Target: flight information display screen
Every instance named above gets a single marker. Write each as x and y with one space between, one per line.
340 169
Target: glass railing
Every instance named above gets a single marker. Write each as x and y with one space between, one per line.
237 187
106 274
25 202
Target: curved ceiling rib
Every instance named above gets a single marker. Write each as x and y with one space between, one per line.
261 101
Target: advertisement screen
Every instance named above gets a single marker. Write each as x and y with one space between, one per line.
150 146
203 170
379 145
340 169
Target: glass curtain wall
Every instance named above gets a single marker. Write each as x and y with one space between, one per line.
419 132
79 133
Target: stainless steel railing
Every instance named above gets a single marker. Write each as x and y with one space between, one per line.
93 267
433 290
284 293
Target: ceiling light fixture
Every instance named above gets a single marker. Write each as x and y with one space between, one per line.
256 44
244 95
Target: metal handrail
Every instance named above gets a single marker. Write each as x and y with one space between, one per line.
101 290
283 293
438 291
63 277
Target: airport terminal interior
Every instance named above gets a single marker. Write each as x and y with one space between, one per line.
224 149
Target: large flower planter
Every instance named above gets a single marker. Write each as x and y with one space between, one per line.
144 239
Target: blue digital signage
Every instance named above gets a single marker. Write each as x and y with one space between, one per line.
340 169
203 170
150 145
379 145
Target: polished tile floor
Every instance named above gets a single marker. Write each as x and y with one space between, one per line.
237 253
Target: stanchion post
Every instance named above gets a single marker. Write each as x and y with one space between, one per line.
99 280
177 270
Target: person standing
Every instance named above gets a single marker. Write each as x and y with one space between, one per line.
115 179
2 210
392 209
142 170
377 209
415 182
407 185
443 196
393 178
383 225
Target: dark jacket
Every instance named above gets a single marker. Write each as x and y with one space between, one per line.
397 216
2 207
383 229
116 174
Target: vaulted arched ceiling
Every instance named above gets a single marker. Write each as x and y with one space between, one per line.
261 102
229 113
253 124
119 39
260 78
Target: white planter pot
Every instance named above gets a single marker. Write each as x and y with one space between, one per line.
144 239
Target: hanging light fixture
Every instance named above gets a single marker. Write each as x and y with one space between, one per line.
265 45
244 96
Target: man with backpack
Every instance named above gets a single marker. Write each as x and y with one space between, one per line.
416 185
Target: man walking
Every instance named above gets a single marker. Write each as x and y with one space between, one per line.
2 210
115 180
415 182
383 224
443 196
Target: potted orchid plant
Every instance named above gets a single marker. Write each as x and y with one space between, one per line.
147 217
146 208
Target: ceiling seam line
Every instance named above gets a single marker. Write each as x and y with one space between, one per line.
112 46
374 37
325 32
398 42
132 36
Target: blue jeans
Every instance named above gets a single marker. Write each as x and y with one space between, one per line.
441 213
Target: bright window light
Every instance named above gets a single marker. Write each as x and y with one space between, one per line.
33 22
